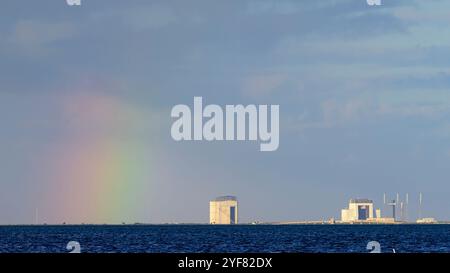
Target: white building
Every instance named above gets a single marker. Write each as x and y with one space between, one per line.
377 213
358 210
223 210
426 221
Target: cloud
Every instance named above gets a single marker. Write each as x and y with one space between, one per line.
429 111
34 36
348 112
334 67
339 112
138 18
263 85
278 7
97 114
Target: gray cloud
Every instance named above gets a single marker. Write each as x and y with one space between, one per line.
362 93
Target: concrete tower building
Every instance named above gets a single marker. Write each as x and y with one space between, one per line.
358 210
223 210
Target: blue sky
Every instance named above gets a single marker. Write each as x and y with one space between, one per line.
363 94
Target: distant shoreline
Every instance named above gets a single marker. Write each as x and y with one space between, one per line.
243 224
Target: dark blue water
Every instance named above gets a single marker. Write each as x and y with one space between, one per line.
239 238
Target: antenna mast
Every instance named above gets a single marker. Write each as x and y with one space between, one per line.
407 206
36 216
420 205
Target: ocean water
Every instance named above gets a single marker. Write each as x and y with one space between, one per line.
238 238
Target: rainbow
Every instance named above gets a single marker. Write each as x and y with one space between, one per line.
99 165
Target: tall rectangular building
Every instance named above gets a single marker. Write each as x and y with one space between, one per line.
223 210
358 210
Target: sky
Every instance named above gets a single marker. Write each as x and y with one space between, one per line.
86 94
